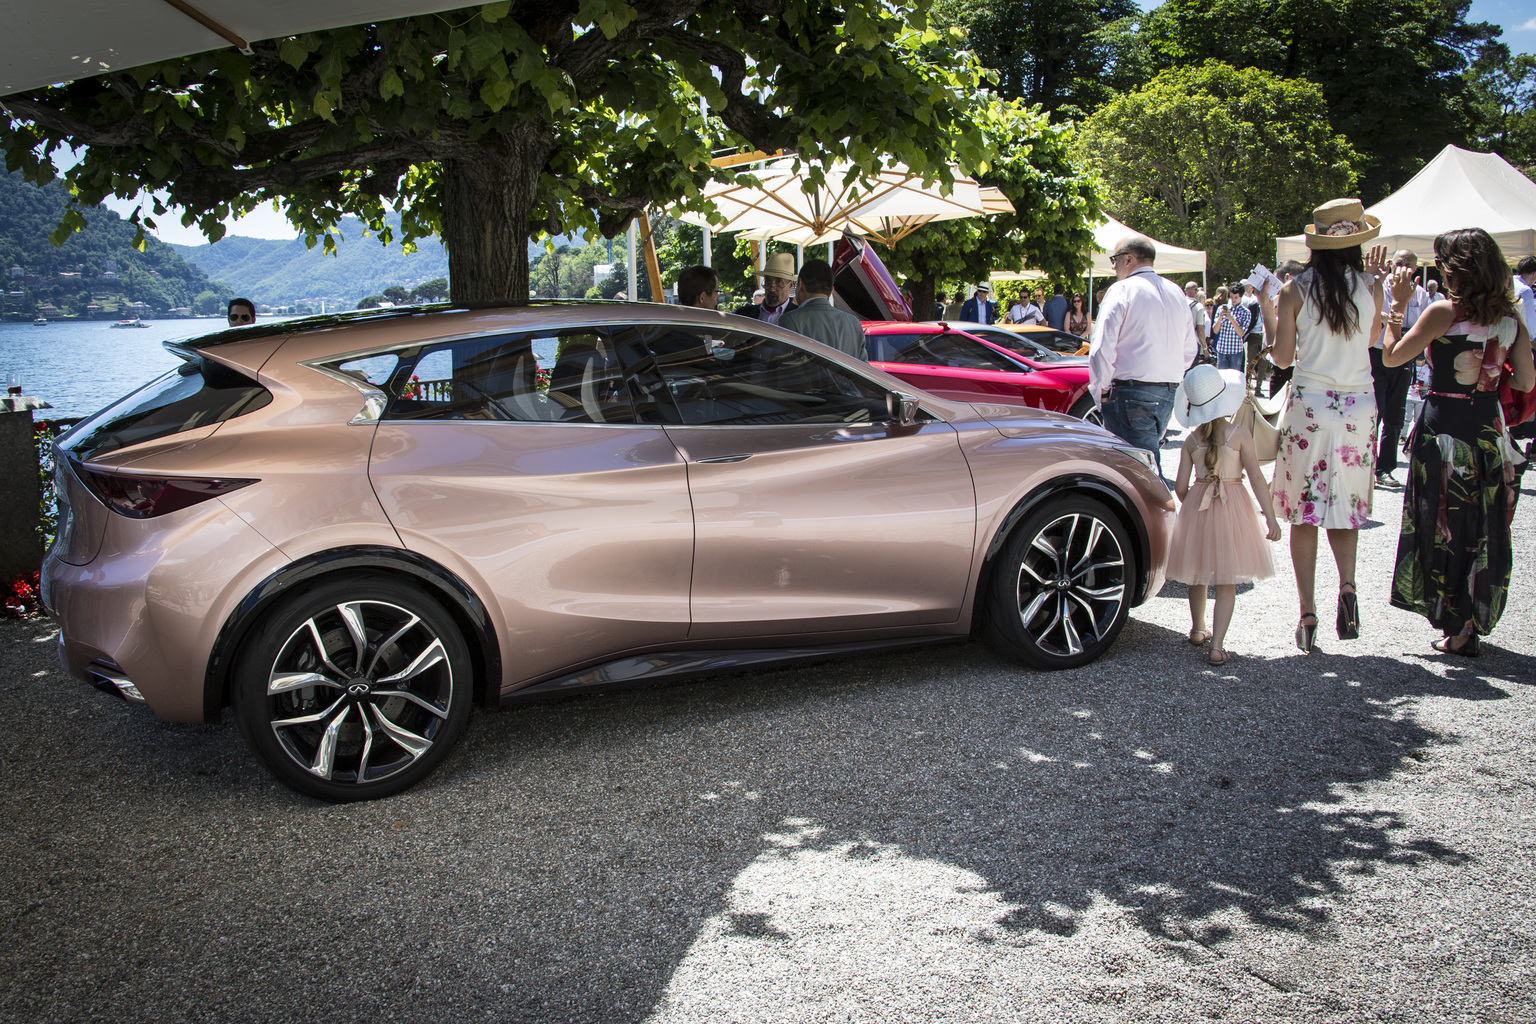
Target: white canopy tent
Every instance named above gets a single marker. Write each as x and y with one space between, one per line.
68 39
1457 189
1171 259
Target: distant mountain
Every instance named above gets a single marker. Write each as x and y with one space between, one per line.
96 273
277 273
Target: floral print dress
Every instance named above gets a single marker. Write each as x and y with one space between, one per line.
1325 469
1453 555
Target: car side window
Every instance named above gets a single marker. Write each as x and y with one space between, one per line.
569 376
945 350
699 376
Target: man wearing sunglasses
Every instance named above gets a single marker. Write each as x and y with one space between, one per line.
241 312
1142 343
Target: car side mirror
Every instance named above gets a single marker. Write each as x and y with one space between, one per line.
902 408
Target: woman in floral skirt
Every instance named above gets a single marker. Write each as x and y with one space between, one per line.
1324 475
1454 556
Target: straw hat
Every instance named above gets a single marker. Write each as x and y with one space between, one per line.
1341 223
781 265
984 287
1207 393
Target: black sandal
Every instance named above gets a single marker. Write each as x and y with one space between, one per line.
1348 619
1306 632
1468 648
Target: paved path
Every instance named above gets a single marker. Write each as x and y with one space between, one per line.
923 836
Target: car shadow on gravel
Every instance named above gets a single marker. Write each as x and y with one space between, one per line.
564 860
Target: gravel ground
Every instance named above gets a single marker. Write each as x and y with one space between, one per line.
923 836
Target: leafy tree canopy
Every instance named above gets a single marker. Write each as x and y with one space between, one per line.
1051 52
489 123
1390 70
1503 88
1218 158
1055 202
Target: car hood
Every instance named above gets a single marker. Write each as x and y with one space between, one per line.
1019 421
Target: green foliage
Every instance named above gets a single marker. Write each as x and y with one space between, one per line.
100 260
209 303
489 123
1054 53
566 272
435 290
1055 202
1503 89
1390 71
1218 158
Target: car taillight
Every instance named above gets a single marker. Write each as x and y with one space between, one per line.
144 497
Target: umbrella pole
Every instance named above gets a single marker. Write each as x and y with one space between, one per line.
652 266
633 292
1090 290
799 256
708 253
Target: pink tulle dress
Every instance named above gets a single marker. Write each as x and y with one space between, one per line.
1218 536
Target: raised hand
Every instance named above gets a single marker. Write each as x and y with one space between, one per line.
1376 262
1402 287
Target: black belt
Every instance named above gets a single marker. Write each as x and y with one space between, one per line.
1143 383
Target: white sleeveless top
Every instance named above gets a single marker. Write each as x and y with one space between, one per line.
1328 360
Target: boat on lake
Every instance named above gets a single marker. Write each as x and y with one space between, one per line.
39 321
131 323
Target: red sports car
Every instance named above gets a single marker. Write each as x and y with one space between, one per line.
954 364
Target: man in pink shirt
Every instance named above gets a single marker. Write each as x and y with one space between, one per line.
1143 341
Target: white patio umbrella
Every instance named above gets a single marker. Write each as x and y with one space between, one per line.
64 40
894 203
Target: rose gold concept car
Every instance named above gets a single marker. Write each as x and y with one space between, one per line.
349 529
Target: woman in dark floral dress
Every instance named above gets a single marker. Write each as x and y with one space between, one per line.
1454 556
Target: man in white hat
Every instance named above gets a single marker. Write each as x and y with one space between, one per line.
778 275
1142 343
979 308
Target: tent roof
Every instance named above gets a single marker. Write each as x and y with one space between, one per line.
1457 189
1170 258
68 39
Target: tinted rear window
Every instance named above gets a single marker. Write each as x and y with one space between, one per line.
198 393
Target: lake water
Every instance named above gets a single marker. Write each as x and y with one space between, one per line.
81 367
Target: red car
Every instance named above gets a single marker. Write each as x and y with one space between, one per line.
957 365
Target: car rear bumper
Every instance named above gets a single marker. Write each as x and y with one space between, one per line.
143 621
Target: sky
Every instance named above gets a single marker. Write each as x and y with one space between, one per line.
1516 17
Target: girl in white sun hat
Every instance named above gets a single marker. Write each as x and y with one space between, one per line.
1217 541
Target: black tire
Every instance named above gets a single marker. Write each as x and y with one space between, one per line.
358 727
1084 409
1061 590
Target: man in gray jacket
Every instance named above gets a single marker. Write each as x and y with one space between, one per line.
817 318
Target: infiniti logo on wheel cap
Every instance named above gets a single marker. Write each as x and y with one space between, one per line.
358 689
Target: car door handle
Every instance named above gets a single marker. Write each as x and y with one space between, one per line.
726 458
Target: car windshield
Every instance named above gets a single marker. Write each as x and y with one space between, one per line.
943 348
1026 345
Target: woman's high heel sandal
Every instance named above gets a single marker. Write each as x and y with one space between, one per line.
1348 620
1306 633
1468 648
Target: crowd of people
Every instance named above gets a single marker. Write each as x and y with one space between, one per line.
1342 333
1352 339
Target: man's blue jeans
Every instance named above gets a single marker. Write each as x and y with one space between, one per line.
1231 361
1139 413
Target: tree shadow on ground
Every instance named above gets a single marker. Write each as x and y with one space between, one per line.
561 863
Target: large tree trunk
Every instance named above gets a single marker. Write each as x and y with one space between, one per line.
487 201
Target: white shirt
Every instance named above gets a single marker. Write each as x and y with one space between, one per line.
1526 299
1418 302
1144 332
1025 313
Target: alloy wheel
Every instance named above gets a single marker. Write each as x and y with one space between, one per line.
1071 584
359 692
